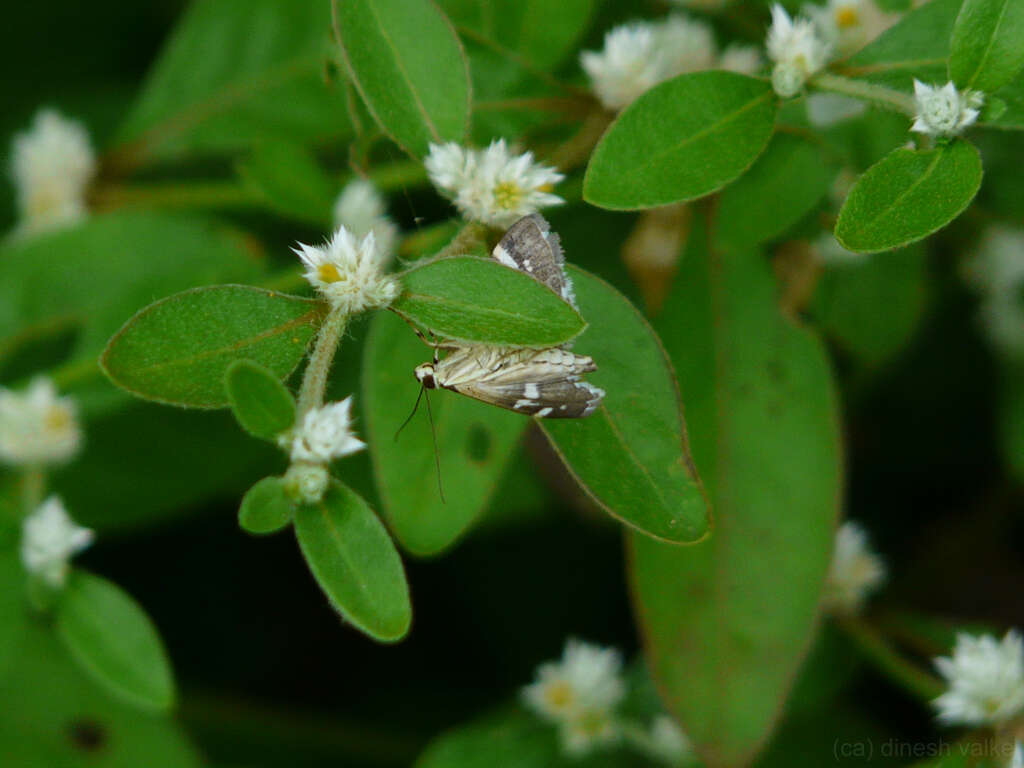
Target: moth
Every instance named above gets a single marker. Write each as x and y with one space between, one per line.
538 382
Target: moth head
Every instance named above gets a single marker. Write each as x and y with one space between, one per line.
425 375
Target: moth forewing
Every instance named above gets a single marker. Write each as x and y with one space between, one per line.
530 246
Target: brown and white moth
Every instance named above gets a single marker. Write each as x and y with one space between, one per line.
537 382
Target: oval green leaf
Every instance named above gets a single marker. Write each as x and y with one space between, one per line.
266 507
907 195
784 184
177 351
469 299
475 442
986 50
355 562
290 182
409 67
114 640
681 140
261 403
726 623
631 454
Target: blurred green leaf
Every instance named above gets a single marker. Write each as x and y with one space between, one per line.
95 275
52 714
683 139
908 195
872 308
13 608
266 507
355 562
727 622
1011 117
466 298
985 50
114 640
234 73
291 183
177 350
786 182
917 46
261 403
631 454
409 67
1011 415
474 443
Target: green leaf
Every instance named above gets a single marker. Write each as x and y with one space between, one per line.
915 47
235 73
408 65
1011 116
1011 416
261 403
114 640
986 50
908 195
92 276
266 507
784 184
631 454
872 309
683 139
727 622
355 562
475 442
177 351
13 608
470 299
290 181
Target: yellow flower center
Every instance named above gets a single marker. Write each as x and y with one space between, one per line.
508 194
558 696
846 17
57 419
328 273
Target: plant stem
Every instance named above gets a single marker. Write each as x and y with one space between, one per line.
198 194
859 89
472 236
314 380
900 670
33 483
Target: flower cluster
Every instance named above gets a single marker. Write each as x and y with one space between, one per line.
985 679
799 51
944 111
325 434
37 426
349 272
48 541
53 163
494 186
579 694
997 273
639 55
855 571
848 25
360 209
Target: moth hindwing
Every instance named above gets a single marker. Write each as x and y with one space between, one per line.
530 246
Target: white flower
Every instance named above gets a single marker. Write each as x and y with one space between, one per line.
348 272
667 742
798 50
48 540
985 678
997 273
306 483
1018 756
944 111
579 694
685 44
37 426
745 59
849 25
52 165
325 434
855 572
493 186
361 210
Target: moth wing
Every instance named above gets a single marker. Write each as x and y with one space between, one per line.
561 398
530 246
540 366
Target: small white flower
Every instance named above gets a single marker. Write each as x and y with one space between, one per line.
667 742
592 730
855 571
849 25
52 165
348 272
686 45
997 272
944 111
1018 756
326 434
745 59
493 186
985 678
798 50
37 426
360 208
306 483
49 538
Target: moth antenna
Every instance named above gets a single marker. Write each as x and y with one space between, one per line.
409 417
437 454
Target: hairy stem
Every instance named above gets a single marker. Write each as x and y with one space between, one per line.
858 89
314 380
